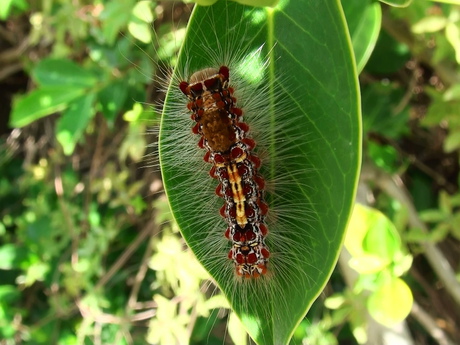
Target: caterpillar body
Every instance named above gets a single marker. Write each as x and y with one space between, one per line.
224 136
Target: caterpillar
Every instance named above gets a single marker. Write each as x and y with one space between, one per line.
258 252
263 254
218 122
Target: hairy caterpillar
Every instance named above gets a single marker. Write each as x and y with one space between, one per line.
218 122
192 190
290 143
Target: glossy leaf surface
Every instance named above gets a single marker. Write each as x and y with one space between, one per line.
314 123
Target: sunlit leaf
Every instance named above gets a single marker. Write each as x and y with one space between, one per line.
391 303
312 67
397 3
364 20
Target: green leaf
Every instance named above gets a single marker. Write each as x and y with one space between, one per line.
271 3
8 293
429 24
452 93
384 156
62 72
5 9
382 238
112 97
7 256
397 3
453 2
312 133
452 141
134 144
141 31
372 240
364 20
382 112
42 102
391 303
73 122
7 5
115 16
388 56
432 216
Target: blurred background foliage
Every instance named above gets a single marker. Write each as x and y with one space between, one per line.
88 251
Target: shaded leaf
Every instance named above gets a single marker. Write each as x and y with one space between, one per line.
42 102
73 122
112 97
62 72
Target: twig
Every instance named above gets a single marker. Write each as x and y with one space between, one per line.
127 254
132 301
9 70
430 325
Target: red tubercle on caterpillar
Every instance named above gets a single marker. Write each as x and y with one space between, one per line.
255 160
243 170
237 111
251 258
196 129
227 212
222 174
236 152
239 258
225 72
218 158
265 253
247 189
263 207
219 190
212 172
183 86
210 83
196 88
222 211
263 229
201 146
260 182
249 211
250 143
247 236
232 211
229 192
243 126
206 155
